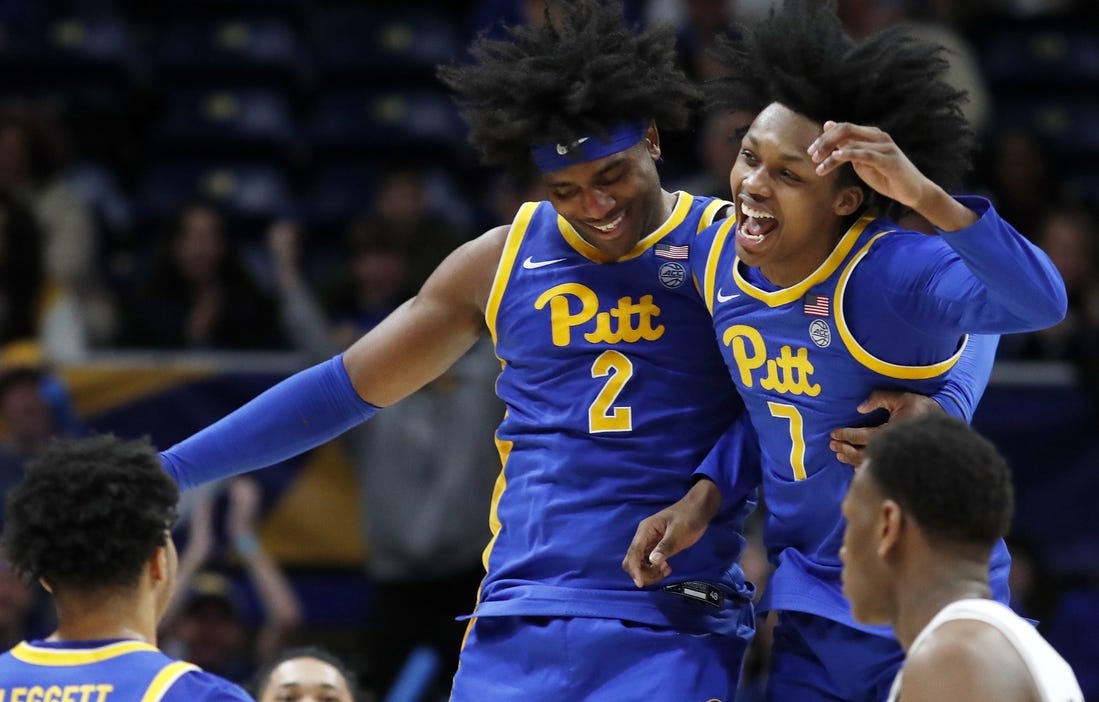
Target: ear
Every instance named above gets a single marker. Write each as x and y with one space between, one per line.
890 523
158 564
652 141
848 200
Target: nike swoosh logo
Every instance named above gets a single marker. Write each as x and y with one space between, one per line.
726 298
531 264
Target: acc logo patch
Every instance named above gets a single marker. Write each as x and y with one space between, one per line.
820 333
672 274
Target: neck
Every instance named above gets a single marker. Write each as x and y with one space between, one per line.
926 590
116 614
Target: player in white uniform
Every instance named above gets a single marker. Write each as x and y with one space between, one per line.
923 512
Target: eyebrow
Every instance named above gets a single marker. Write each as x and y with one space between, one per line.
789 156
602 171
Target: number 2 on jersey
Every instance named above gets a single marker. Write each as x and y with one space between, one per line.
797 436
603 415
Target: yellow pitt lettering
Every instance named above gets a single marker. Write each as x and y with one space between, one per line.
788 373
561 319
627 322
737 338
625 330
103 690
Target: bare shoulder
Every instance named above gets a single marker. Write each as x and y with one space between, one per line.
469 270
966 660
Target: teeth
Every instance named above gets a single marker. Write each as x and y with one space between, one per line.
750 237
612 225
758 214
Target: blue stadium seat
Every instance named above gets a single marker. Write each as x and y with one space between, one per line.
67 53
1039 55
242 122
216 51
255 192
1070 125
1072 632
386 121
381 45
337 193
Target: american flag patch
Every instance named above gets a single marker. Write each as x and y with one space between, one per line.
817 305
670 251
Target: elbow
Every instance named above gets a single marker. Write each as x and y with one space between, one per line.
1056 303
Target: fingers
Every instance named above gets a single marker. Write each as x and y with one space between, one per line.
646 559
847 453
859 436
636 563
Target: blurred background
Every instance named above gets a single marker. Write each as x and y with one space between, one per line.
200 197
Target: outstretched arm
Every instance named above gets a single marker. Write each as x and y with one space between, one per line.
412 347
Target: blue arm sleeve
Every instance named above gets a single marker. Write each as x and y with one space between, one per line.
967 380
733 464
300 413
999 282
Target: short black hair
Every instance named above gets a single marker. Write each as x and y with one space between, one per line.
952 480
89 513
263 676
557 82
802 57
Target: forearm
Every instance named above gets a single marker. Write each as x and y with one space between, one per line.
967 380
1014 285
302 412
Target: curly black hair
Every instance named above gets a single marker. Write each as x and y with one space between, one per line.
951 479
557 82
802 57
89 513
263 676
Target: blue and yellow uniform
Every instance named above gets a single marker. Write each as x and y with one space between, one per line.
613 348
887 309
105 671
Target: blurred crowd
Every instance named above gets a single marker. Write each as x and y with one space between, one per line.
272 175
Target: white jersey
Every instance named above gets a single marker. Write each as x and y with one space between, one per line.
1052 676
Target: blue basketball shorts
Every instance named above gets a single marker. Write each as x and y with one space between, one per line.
524 659
814 659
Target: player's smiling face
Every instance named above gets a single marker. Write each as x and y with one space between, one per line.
615 201
788 217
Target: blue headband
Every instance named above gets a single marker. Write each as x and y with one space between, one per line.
554 157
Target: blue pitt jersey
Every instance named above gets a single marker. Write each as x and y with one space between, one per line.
105 671
802 374
615 392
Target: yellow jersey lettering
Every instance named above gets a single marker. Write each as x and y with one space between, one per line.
746 361
103 691
627 322
624 330
562 319
789 374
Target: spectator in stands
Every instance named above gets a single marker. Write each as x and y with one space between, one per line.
303 674
21 275
30 170
209 629
199 294
403 209
1069 237
373 283
1022 178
